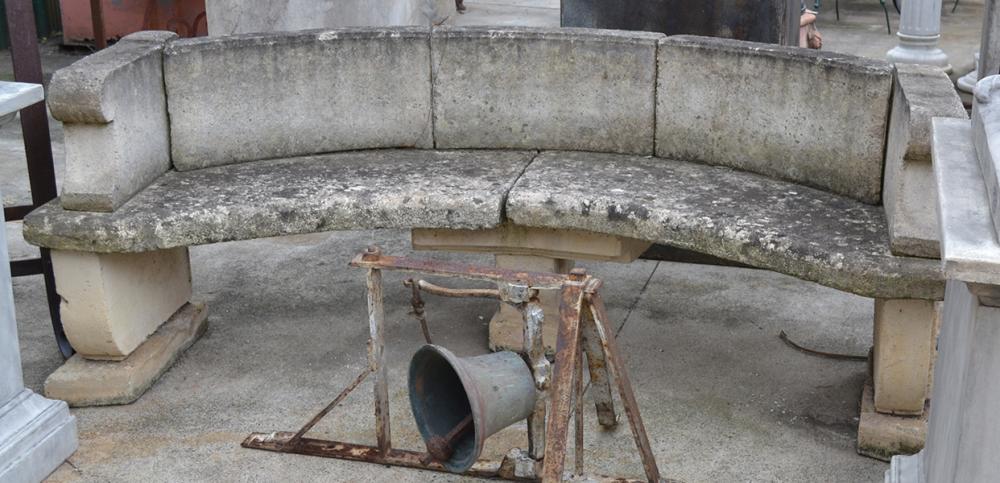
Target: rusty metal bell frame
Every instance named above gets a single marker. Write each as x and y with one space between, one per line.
497 389
459 402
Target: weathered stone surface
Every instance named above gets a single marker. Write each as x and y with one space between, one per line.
923 92
796 230
909 194
261 96
968 245
883 436
911 209
577 89
816 118
108 101
83 382
343 191
92 89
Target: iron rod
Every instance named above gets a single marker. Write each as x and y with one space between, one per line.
613 355
440 291
418 309
329 407
22 268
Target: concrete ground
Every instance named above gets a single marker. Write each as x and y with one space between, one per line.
723 398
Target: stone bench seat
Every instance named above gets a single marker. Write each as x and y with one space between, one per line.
744 217
766 223
342 191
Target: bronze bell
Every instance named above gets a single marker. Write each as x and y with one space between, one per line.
458 402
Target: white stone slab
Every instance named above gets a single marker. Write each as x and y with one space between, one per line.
15 96
986 138
10 355
969 247
36 434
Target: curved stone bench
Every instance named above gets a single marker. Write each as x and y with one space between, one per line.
759 221
764 155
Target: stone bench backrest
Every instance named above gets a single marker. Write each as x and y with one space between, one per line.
815 118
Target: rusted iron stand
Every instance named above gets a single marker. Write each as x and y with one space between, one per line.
38 151
583 330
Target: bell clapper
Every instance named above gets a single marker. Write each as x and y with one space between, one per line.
440 448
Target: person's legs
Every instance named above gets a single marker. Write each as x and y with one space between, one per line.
809 36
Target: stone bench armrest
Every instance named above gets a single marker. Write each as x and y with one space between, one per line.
107 101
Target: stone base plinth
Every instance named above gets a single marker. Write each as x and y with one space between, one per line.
36 436
906 469
84 382
883 436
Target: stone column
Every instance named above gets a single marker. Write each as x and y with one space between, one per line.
988 59
919 32
36 434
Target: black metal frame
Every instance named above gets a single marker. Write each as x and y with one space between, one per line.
38 152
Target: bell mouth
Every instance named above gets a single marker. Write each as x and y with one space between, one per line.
441 396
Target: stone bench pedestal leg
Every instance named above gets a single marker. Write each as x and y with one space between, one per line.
893 418
128 317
